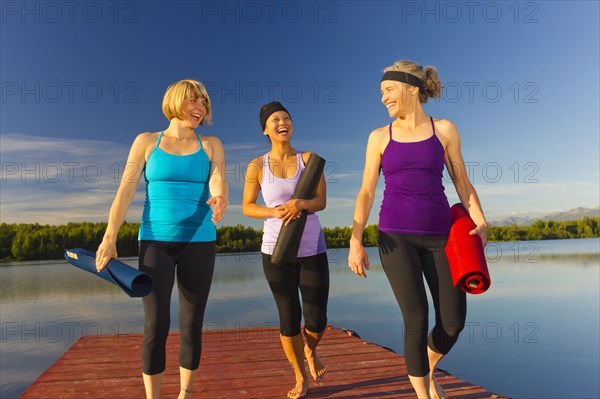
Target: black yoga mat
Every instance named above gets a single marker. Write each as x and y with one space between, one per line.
288 241
129 279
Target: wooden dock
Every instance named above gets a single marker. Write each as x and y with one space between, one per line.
242 363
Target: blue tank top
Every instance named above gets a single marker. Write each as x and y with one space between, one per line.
414 201
176 192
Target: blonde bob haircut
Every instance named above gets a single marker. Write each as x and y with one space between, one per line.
178 92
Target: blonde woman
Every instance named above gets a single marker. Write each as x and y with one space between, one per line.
186 194
414 220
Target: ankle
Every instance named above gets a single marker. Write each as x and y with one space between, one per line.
185 393
301 380
301 375
300 372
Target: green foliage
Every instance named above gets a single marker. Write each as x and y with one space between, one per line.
238 238
339 237
39 242
547 230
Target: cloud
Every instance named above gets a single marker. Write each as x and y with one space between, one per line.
22 146
57 180
35 204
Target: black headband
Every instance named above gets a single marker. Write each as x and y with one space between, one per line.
404 78
269 109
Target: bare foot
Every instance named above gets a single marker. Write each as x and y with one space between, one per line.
317 369
435 390
299 391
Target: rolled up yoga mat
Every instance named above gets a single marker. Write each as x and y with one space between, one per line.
465 254
288 241
130 280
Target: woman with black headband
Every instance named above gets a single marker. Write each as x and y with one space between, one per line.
414 220
276 174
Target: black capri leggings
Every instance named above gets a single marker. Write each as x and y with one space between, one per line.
311 275
406 259
193 263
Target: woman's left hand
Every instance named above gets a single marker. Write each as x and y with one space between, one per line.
291 210
219 206
482 232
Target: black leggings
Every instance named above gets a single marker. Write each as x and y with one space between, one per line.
311 275
405 259
194 263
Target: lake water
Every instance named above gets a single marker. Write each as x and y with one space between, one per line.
534 334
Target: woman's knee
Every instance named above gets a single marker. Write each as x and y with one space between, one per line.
453 329
289 330
290 318
156 331
316 324
315 316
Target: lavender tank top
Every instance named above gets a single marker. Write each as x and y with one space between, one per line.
277 191
414 201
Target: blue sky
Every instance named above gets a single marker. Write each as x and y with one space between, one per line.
81 79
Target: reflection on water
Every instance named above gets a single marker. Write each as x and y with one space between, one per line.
539 321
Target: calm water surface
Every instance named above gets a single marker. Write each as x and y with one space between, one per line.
534 334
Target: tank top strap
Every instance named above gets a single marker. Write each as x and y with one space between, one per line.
266 170
432 127
301 165
199 141
158 140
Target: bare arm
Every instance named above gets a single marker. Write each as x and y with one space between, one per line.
251 189
457 171
217 183
357 257
125 193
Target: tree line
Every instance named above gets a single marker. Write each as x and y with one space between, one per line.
19 242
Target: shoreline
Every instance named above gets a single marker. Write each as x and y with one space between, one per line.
490 244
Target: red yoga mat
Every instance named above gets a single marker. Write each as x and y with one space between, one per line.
465 254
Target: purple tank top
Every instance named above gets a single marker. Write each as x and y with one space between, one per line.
277 191
414 201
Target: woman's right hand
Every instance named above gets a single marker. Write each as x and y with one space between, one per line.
105 252
358 260
289 211
278 212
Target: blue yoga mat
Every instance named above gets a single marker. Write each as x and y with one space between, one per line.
130 280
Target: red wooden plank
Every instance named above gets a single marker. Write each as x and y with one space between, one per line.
236 364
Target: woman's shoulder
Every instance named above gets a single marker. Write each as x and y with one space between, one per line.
258 162
148 136
446 128
143 144
211 140
379 138
146 139
380 133
254 170
305 156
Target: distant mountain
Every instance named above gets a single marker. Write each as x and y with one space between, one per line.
572 214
